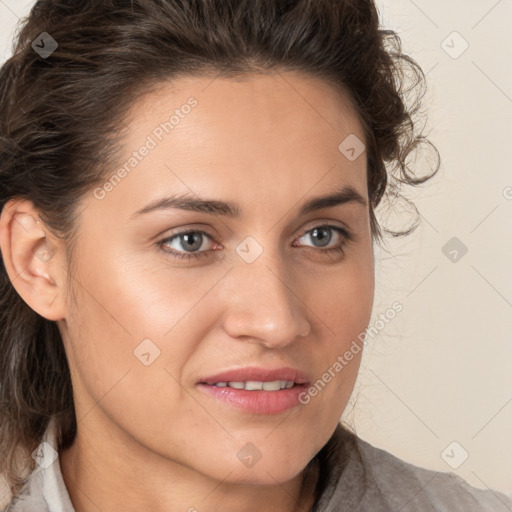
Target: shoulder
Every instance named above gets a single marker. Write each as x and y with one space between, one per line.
44 489
409 488
30 498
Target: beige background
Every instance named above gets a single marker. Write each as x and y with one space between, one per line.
440 371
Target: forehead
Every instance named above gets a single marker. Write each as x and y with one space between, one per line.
258 100
273 136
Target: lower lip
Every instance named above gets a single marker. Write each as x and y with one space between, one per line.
257 402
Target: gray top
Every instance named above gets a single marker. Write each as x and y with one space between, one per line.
353 476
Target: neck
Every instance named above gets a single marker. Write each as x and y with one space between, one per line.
119 474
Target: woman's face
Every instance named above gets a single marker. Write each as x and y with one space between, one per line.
162 322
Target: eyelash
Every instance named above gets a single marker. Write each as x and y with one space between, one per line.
346 237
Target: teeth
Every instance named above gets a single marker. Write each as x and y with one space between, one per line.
272 386
254 385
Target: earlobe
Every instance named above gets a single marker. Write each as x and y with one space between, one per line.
30 257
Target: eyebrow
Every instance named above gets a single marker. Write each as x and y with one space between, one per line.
347 194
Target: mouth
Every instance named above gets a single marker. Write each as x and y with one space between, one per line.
256 390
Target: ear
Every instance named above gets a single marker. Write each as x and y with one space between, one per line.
32 258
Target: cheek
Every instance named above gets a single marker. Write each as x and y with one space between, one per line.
120 363
114 315
343 300
134 329
343 303
125 302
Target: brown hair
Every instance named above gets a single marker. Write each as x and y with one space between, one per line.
61 120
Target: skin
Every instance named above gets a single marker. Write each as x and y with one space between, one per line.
148 438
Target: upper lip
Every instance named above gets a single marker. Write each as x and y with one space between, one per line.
257 374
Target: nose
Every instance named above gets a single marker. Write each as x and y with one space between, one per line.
264 306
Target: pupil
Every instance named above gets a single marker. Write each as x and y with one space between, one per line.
189 236
323 239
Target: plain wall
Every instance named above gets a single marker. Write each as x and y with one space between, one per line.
440 371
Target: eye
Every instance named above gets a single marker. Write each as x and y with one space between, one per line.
190 244
188 240
323 235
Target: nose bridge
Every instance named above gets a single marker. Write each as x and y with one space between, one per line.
264 305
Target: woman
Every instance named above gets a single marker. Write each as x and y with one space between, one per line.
166 309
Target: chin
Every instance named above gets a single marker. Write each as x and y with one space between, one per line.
269 466
275 472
